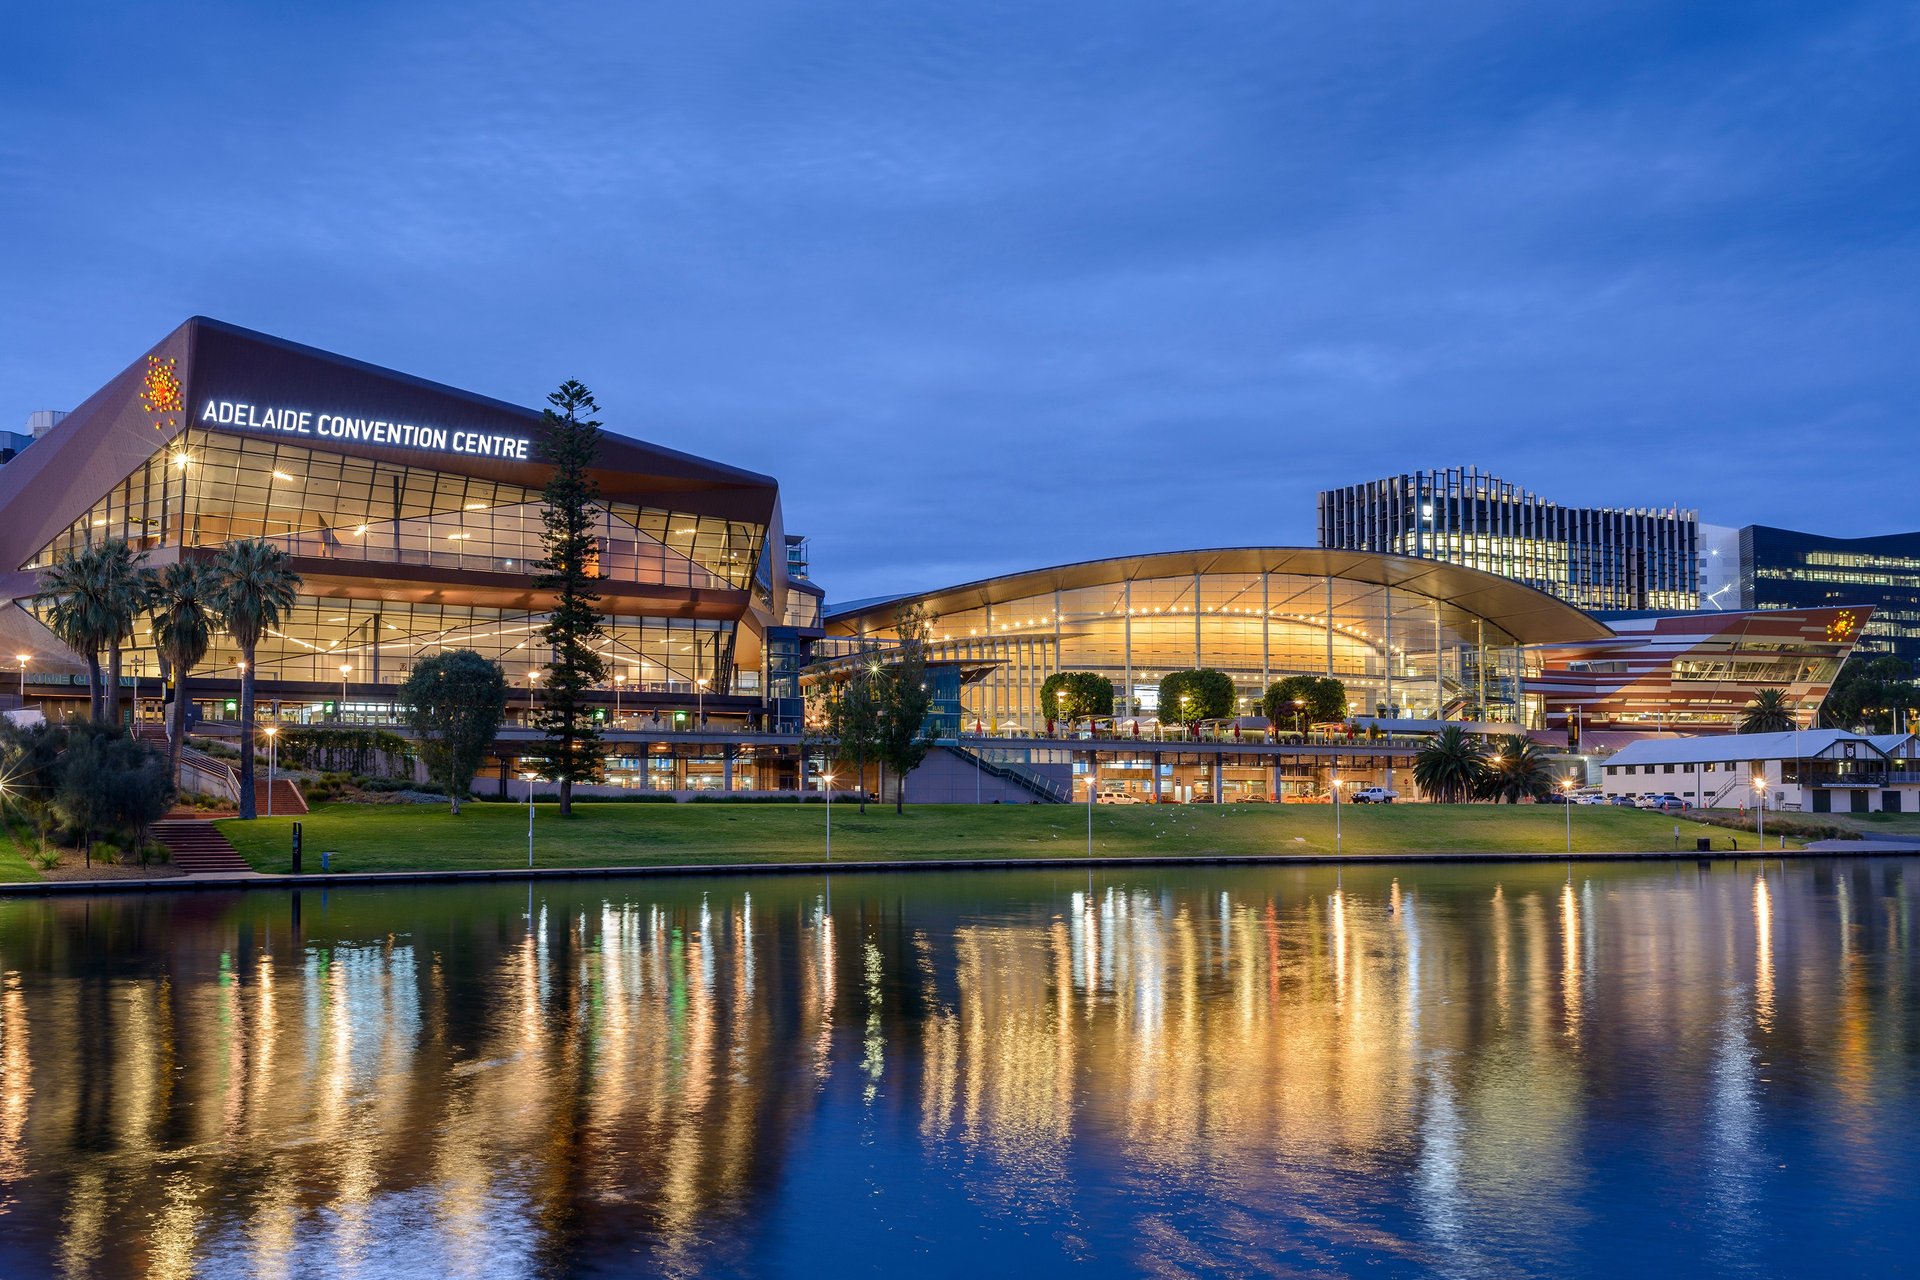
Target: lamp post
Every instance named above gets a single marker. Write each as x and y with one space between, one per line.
1566 797
826 781
23 676
1060 703
273 758
1300 715
529 778
618 680
533 698
1335 784
346 669
700 702
1760 813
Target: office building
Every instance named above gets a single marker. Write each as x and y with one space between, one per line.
1597 558
1787 569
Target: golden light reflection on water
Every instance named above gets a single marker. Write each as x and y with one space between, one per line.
649 1071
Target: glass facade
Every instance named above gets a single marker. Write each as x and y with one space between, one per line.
1786 569
1399 653
1593 557
206 489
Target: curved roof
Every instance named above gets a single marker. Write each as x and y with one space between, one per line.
1530 616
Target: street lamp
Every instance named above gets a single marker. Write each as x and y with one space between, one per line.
1060 703
700 701
346 669
1760 793
1300 715
619 678
529 778
533 699
826 781
1335 784
1566 797
273 758
22 657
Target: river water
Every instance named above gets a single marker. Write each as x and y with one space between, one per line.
1459 1069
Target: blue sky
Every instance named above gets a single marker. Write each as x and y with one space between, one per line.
996 285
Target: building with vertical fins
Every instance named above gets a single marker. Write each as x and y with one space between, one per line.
1596 558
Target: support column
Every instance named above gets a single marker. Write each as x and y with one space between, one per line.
1266 635
1126 644
726 769
1273 792
1156 777
1217 779
1329 624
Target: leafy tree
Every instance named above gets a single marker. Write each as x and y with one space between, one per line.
455 701
904 700
1771 711
1188 697
129 585
1451 768
1517 769
851 711
1304 700
1086 694
111 784
571 506
75 588
1873 692
184 621
30 768
253 587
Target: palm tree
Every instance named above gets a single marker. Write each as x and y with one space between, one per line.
126 584
1518 768
183 625
75 587
253 586
1769 712
1450 767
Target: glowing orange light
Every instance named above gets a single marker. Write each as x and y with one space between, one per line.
160 392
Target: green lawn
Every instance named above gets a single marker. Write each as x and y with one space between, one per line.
407 837
14 867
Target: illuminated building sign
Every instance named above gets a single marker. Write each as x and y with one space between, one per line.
336 426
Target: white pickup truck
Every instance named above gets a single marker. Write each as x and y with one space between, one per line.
1375 795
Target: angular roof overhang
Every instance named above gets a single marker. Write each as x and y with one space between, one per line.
1529 616
108 436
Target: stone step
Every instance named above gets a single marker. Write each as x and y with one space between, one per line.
198 847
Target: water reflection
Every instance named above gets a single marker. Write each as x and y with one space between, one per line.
1461 1070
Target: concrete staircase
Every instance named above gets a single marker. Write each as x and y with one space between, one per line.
197 847
287 800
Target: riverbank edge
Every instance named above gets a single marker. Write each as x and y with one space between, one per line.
282 880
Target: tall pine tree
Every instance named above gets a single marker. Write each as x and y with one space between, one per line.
570 509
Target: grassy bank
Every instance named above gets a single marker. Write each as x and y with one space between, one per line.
410 837
14 867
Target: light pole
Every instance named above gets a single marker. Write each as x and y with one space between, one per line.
273 758
1300 715
533 698
529 778
1335 784
700 702
346 669
1760 813
1060 703
1566 797
826 780
23 676
618 680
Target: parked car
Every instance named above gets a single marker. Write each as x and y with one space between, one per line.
1663 803
1595 798
1375 795
1627 802
1117 797
1554 797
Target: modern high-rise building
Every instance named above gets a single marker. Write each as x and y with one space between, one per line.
1787 569
1598 558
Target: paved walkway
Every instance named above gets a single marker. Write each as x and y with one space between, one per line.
335 879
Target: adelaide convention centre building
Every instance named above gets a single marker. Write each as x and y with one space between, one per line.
412 512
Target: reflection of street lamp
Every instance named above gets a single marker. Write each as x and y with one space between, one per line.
273 758
1760 792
